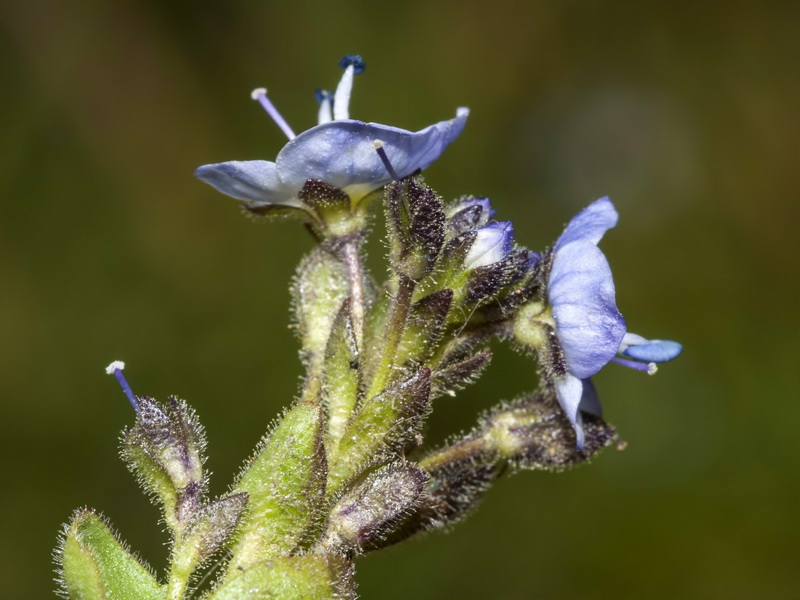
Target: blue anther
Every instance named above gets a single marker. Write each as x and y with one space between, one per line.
356 61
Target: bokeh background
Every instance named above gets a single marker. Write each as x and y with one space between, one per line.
685 113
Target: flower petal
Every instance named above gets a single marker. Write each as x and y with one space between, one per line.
590 224
656 351
492 244
590 401
581 292
253 180
569 391
342 154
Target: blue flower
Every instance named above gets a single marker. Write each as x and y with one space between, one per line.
588 326
339 151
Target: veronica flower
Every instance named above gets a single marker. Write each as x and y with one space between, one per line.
588 326
339 152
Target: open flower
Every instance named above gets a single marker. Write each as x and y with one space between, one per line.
580 291
338 152
588 326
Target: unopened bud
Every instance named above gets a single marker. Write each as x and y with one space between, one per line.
164 449
373 507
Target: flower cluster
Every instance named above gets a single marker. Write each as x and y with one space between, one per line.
345 470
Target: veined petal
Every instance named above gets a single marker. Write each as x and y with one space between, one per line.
341 153
253 180
569 391
581 292
590 224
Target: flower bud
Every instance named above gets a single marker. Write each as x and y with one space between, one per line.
371 508
466 214
533 433
415 220
164 449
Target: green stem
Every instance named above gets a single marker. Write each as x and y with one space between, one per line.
393 335
454 453
183 563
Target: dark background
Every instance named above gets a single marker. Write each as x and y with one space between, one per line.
685 113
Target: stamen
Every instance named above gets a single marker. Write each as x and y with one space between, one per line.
378 145
115 369
352 65
325 100
649 368
260 94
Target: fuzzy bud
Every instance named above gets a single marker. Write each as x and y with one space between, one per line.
165 450
371 508
533 433
416 223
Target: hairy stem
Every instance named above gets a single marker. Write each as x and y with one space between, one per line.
455 453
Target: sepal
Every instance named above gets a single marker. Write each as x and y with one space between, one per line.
95 565
318 291
341 376
382 427
207 533
317 576
424 327
286 485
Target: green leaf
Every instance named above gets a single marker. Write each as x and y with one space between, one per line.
317 576
95 565
286 485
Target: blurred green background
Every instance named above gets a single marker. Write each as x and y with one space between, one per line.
685 113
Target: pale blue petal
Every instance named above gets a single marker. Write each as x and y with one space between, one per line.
590 401
492 244
657 351
342 154
569 391
581 292
590 224
253 180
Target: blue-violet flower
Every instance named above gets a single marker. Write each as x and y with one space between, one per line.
588 326
339 151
